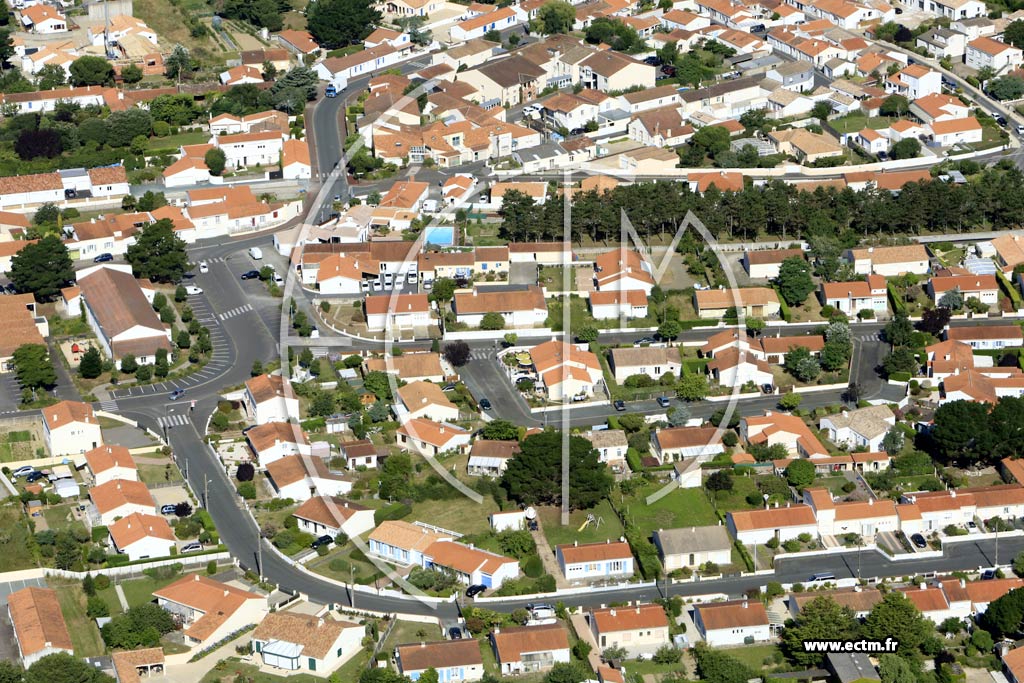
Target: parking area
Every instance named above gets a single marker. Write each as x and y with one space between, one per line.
169 495
522 274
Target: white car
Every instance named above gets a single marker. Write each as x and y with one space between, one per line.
193 547
23 471
192 289
203 267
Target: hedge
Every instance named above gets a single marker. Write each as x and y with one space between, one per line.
784 311
690 324
1010 291
895 300
646 554
900 376
742 550
391 512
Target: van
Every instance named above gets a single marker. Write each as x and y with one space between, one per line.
541 611
255 253
331 91
823 576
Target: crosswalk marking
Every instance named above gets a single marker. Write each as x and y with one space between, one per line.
172 420
319 351
216 259
239 310
480 354
108 405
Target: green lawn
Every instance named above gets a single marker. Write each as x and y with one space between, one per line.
458 514
175 141
14 540
737 498
85 637
340 566
852 123
156 474
681 507
136 592
608 528
754 656
833 484
16 446
410 632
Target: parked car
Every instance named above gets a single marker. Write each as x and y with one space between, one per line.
324 540
668 70
168 509
643 340
193 547
23 471
972 528
203 267
620 405
767 388
988 575
103 258
251 275
485 404
455 632
532 525
176 394
475 590
1020 129
653 60
918 540
448 387
192 289
33 476
664 401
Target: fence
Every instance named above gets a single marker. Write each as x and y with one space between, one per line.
138 569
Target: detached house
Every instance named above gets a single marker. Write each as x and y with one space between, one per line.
331 515
595 561
120 498
652 361
301 477
269 398
274 440
303 642
566 370
985 52
693 547
108 463
639 630
758 302
519 307
852 297
984 288
38 624
732 623
454 661
888 261
426 400
681 443
528 649
140 536
402 543
470 565
860 428
430 439
764 264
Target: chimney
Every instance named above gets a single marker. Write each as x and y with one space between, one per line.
871 501
227 592
922 585
611 612
575 544
963 583
320 622
746 604
952 494
497 630
197 577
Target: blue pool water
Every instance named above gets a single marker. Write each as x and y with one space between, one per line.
441 235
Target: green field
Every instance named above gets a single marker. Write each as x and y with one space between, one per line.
156 474
136 592
14 540
737 498
175 141
16 446
609 527
85 637
458 514
681 507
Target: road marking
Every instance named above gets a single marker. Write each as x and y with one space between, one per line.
239 310
172 420
109 406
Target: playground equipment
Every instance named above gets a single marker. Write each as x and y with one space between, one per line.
591 519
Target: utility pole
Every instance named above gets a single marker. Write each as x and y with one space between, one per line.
206 492
351 587
259 553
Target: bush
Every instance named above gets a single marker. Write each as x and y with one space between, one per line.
211 567
101 582
391 512
533 567
247 490
97 607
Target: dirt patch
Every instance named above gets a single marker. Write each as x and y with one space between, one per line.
21 440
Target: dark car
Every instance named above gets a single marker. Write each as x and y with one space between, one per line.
988 575
448 387
103 258
485 404
455 633
532 525
475 590
767 388
251 275
664 401
644 340
323 540
577 131
176 394
35 476
167 509
918 540
620 405
653 60
668 70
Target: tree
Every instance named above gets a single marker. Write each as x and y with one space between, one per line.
379 384
158 254
91 70
896 617
907 148
33 367
128 364
178 64
794 280
615 33
566 672
820 619
556 16
215 160
245 472
720 480
1005 614
177 110
131 74
141 625
1006 88
42 268
791 401
822 110
587 334
91 365
339 23
396 477
962 430
51 76
711 140
669 329
63 668
901 360
934 320
10 672
125 126
443 291
895 669
500 430
457 353
853 393
801 364
894 105
716 666
899 330
32 144
755 326
534 475
800 473
678 416
492 320
692 387
182 509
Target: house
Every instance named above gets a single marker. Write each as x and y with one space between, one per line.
984 52
241 75
298 42
331 515
806 146
693 547
732 623
566 370
950 357
914 82
304 642
663 127
529 649
607 71
454 661
595 561
623 270
514 520
870 140
938 108
611 446
141 536
411 367
943 43
758 302
401 312
870 294
19 321
295 162
764 264
269 398
250 149
38 624
430 439
500 19
122 316
984 288
794 76
505 82
361 453
639 630
982 385
470 565
611 304
988 336
490 458
402 543
120 498
1009 251
131 665
861 599
863 427
108 463
774 349
426 400
864 518
789 430
652 361
734 367
1013 665
888 261
964 131
43 19
680 443
274 440
300 477
519 307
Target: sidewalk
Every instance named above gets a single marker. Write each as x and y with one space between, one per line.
547 556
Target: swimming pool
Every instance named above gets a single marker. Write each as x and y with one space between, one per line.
440 235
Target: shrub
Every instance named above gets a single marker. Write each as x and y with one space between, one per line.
533 567
101 582
247 490
211 567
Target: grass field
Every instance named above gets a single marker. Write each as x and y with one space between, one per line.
458 514
681 507
175 141
410 632
85 637
18 445
14 538
136 592
169 22
736 499
754 656
609 527
156 474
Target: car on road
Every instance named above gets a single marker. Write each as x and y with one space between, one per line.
251 275
203 267
324 540
475 590
643 340
176 394
23 471
103 258
664 401
193 547
168 509
255 253
34 475
1020 129
822 576
918 541
620 405
192 289
485 404
455 633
